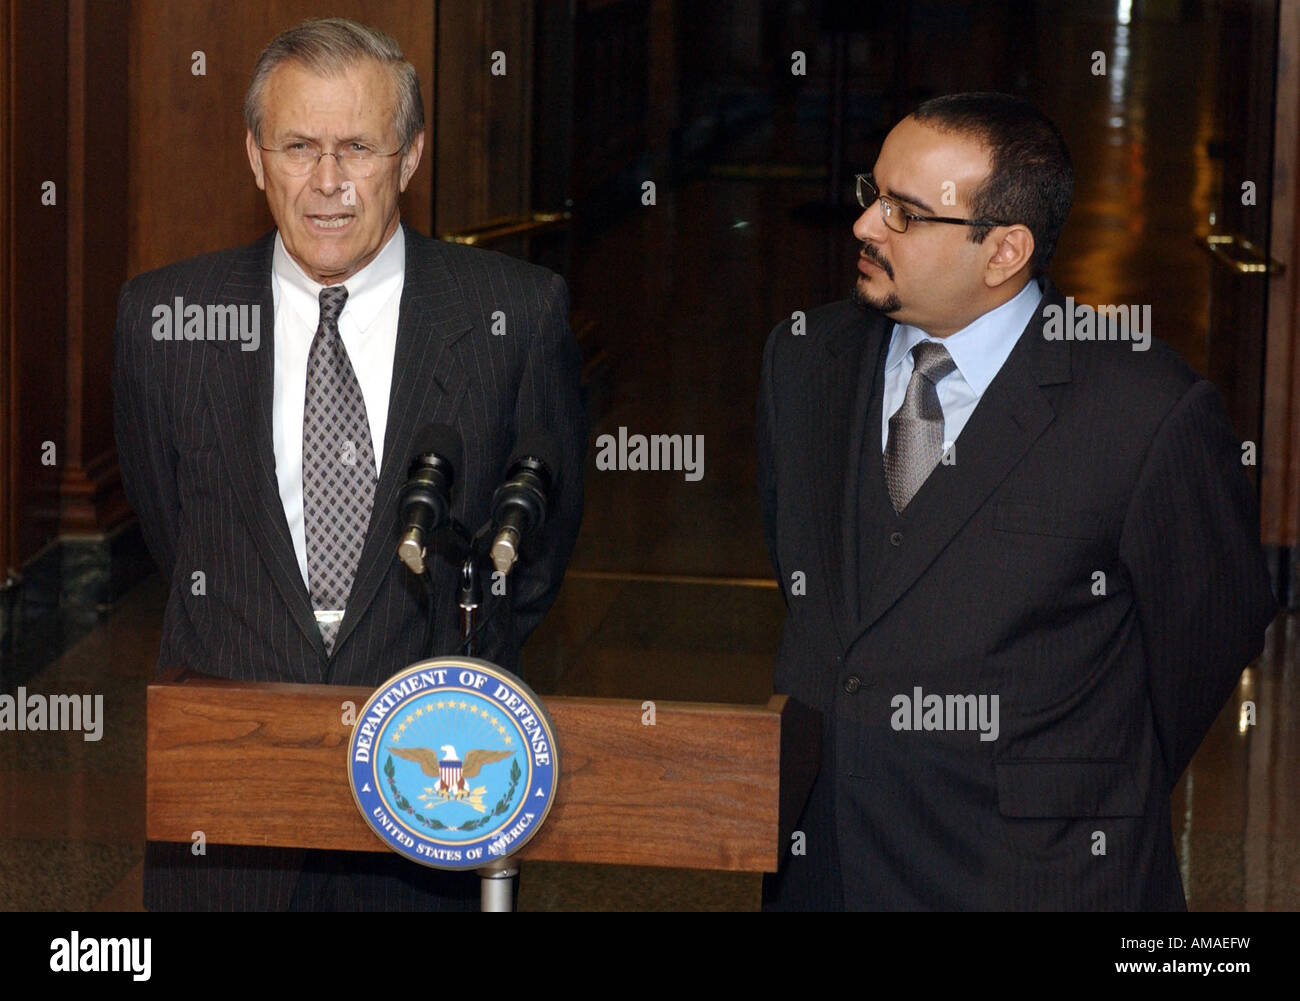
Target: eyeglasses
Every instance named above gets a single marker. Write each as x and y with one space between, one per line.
897 218
299 158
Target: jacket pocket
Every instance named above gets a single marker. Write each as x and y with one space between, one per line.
1052 788
1031 519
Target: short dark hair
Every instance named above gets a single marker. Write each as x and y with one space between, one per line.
1031 178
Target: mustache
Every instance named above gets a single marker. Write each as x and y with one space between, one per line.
873 255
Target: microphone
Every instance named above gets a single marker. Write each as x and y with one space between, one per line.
426 498
519 504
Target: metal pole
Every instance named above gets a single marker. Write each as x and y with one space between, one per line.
498 887
497 880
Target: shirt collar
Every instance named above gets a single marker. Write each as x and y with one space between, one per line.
979 348
368 290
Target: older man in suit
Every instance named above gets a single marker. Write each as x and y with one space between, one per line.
1021 569
266 469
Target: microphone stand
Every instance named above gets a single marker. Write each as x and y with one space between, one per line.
461 546
427 645
470 597
496 879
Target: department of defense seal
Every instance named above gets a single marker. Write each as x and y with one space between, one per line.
453 763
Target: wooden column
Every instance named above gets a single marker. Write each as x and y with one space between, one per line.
95 254
33 336
1280 452
483 138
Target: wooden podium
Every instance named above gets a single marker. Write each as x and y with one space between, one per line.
708 786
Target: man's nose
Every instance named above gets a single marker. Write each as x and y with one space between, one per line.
326 176
870 226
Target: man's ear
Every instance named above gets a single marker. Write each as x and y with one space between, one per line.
411 160
1014 250
255 160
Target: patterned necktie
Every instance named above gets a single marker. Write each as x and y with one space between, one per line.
915 443
338 468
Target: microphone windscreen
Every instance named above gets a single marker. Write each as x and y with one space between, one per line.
538 443
441 440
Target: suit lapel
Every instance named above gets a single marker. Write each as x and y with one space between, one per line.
832 393
865 422
240 385
1010 416
428 383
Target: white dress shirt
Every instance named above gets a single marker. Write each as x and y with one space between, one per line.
368 327
979 350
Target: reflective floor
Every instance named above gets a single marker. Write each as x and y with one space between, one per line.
667 596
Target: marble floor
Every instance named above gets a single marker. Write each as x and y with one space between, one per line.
668 594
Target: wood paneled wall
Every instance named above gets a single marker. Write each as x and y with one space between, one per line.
8 235
191 187
91 498
1280 454
612 60
484 135
36 300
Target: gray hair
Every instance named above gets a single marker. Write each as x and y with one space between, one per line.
328 47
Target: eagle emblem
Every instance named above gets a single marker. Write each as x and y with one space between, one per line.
452 773
452 763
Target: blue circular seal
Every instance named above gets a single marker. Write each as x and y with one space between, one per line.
453 763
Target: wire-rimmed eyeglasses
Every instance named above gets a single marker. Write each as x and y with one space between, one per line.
355 159
896 217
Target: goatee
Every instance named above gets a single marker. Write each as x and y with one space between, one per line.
889 304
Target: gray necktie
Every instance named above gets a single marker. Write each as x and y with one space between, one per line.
915 443
338 468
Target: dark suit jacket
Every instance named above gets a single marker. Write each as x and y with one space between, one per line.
193 423
1080 457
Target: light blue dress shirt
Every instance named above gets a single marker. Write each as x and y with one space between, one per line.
979 350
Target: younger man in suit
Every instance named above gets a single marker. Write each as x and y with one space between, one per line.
1021 569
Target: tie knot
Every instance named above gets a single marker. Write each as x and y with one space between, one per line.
332 298
932 360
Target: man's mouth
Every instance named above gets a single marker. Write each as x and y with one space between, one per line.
866 265
324 221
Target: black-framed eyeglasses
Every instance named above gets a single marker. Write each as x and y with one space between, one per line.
896 217
355 159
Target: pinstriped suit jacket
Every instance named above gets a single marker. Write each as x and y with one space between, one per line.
193 425
1082 458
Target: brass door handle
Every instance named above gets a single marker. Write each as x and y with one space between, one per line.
1239 255
529 224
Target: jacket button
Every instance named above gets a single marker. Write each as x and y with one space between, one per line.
895 538
852 683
